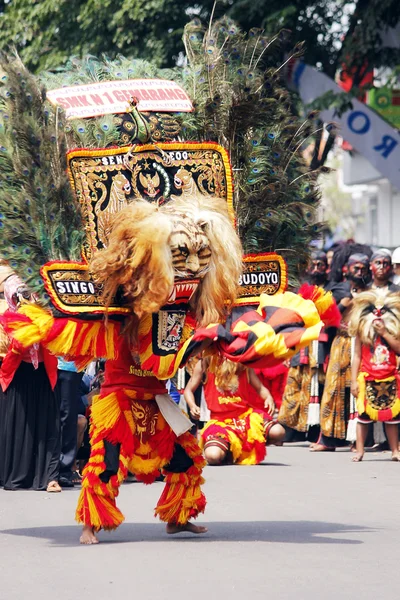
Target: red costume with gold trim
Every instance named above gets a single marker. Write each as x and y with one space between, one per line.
236 425
378 378
126 414
378 382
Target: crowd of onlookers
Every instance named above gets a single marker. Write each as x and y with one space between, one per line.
319 403
314 395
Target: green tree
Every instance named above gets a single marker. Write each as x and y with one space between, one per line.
47 32
336 32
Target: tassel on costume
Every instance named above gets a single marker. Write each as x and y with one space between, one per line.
255 439
96 504
313 416
112 420
182 498
80 340
324 302
351 434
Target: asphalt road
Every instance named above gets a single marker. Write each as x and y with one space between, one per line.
299 526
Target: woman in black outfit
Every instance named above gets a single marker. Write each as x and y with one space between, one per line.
29 411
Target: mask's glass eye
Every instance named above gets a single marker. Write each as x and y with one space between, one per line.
183 250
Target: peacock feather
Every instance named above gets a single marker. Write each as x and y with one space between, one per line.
234 81
242 103
39 217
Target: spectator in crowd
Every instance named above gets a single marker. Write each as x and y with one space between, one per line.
336 407
68 391
381 270
331 252
396 266
29 411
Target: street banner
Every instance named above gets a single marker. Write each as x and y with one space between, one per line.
373 137
113 97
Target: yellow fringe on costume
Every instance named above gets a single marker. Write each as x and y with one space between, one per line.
364 407
255 434
182 491
34 331
64 336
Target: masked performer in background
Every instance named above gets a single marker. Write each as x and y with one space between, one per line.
375 323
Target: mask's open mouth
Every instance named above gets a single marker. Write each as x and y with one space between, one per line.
182 291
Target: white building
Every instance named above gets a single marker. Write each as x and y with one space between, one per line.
375 202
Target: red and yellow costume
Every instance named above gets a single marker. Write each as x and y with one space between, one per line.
378 382
126 414
274 379
128 431
375 357
235 425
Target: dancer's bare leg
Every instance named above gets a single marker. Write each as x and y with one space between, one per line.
276 435
392 432
362 432
88 536
174 528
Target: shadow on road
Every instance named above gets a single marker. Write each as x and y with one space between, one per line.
271 464
284 532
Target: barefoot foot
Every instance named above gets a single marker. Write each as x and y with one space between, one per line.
174 528
88 537
53 486
321 448
396 456
358 456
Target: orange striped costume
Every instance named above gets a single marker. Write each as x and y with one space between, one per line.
126 422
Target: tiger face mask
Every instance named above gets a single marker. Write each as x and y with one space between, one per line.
190 249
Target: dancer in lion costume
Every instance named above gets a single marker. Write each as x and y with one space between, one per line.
173 264
158 283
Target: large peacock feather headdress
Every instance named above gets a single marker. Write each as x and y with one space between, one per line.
234 82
